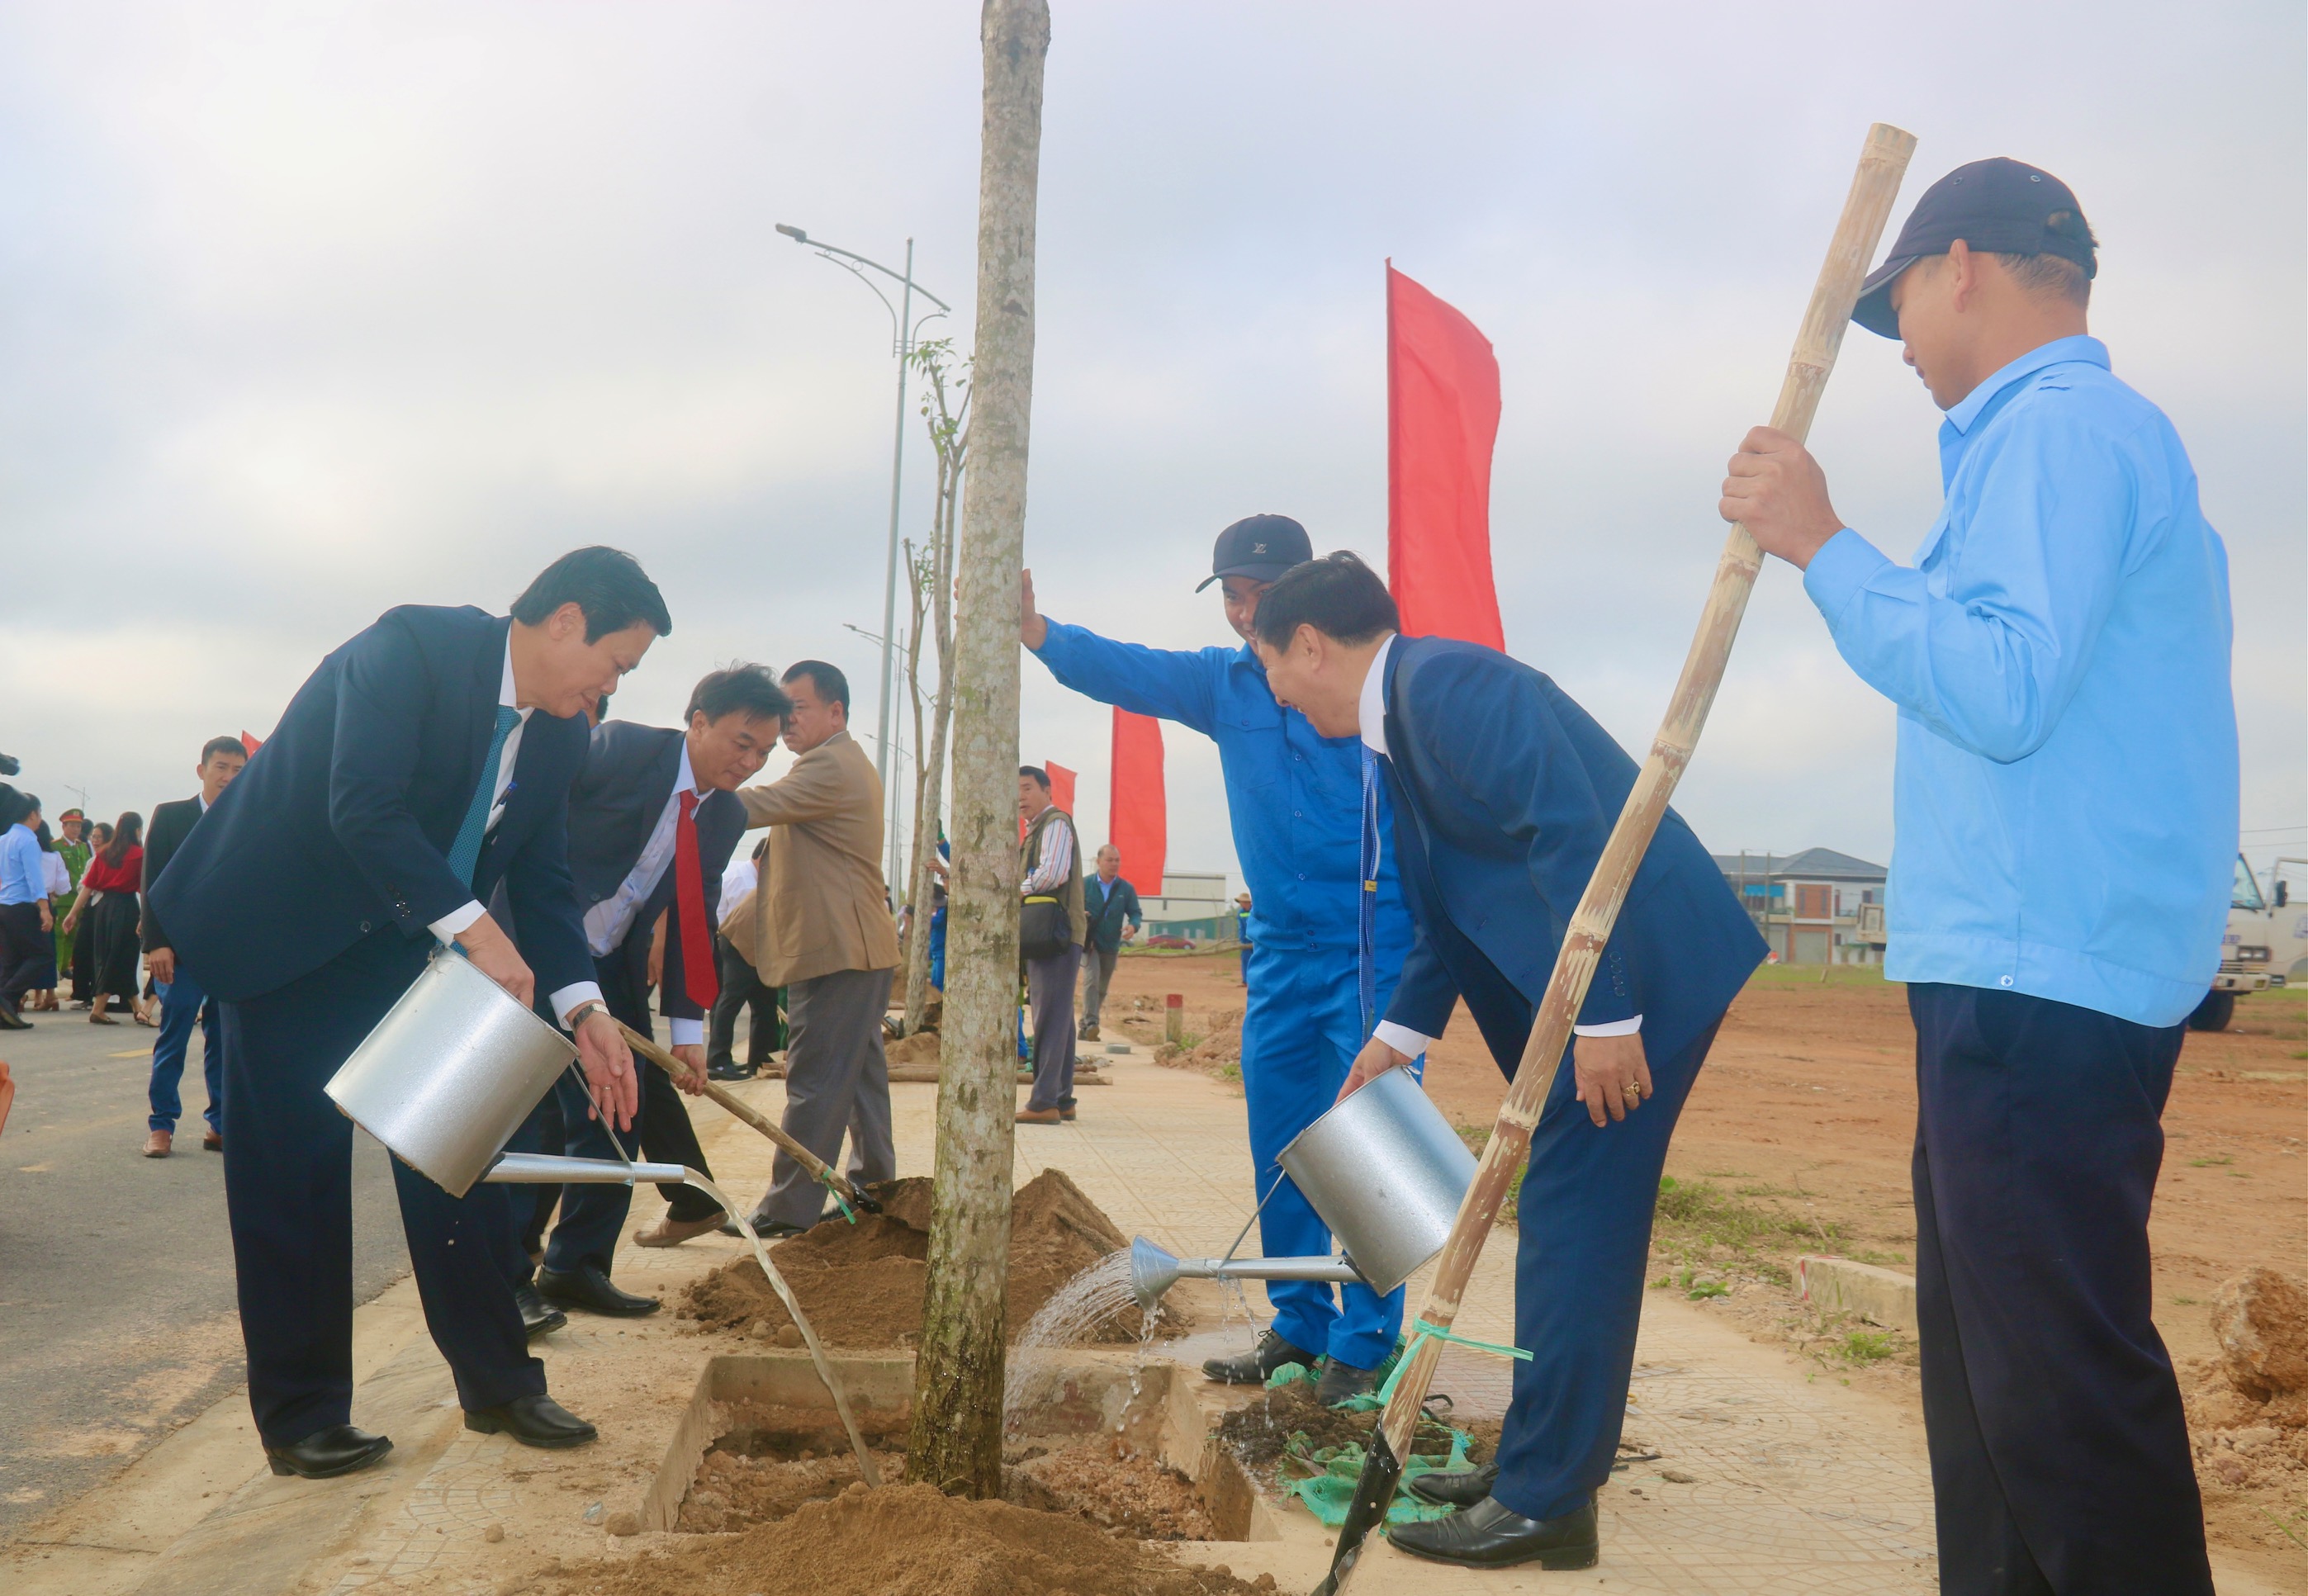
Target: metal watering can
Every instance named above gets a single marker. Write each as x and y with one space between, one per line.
450 1073
1386 1173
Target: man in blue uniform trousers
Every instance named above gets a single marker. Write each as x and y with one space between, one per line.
2065 823
426 762
1505 791
1323 951
652 819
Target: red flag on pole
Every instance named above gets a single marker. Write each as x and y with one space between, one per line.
1138 811
1441 420
1062 785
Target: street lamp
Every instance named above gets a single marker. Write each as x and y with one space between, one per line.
903 327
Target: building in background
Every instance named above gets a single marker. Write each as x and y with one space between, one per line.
1194 908
1815 907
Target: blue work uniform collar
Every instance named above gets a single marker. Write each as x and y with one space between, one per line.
2083 347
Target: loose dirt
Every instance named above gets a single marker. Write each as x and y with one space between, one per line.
910 1541
862 1285
2247 1413
1128 1493
1260 1430
1805 1114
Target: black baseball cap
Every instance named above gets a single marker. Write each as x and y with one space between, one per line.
2004 206
1260 547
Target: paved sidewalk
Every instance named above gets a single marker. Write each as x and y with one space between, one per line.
1795 1485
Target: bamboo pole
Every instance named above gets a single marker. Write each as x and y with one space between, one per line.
810 1162
1883 163
955 1440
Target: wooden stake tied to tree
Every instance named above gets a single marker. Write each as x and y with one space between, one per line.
931 569
956 1440
1882 162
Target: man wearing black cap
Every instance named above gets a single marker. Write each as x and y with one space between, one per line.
2065 804
1323 950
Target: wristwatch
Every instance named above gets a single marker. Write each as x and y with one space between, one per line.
576 1016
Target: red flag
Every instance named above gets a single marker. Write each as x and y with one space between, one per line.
1441 420
1062 785
1138 812
250 743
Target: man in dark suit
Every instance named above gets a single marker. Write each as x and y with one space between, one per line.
183 1000
1111 907
1505 793
652 819
426 762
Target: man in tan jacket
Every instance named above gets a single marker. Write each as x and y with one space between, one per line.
822 929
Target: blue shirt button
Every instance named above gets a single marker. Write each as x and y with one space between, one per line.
2006 981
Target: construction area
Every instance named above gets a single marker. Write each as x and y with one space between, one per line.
1770 1443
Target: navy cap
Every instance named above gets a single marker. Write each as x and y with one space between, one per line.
2004 206
1260 547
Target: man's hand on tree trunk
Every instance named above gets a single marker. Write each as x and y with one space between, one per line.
1032 629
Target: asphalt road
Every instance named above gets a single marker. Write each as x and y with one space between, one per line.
118 1320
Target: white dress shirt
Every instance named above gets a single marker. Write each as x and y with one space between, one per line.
456 920
609 922
1372 716
741 876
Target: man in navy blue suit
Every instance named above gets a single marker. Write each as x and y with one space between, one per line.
1505 793
425 764
652 819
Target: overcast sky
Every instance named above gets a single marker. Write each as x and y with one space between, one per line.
308 312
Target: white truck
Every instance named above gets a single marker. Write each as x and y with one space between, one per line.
2266 943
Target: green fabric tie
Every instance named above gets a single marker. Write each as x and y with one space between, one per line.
1427 1331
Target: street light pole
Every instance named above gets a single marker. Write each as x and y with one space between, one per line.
902 336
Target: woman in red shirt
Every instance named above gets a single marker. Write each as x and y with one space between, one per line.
108 900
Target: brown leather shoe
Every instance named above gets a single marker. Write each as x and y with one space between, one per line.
673 1232
213 1142
160 1144
1040 1117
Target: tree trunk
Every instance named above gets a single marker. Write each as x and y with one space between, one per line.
956 1443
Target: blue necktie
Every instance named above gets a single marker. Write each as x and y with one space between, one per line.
1367 904
466 852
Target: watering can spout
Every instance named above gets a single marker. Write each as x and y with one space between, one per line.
1153 1271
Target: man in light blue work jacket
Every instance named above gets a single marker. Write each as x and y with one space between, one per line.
2065 814
1296 801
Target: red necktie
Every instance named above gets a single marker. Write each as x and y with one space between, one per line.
689 893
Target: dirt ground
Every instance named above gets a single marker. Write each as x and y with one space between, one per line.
862 1285
1803 1123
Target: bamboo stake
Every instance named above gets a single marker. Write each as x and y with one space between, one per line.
1883 163
817 1167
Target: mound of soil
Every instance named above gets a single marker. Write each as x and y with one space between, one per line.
910 1541
1220 1047
862 1285
2248 1410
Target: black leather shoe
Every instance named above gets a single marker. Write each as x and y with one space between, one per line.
1343 1382
1463 1489
538 1317
588 1288
339 1449
1490 1536
1255 1367
768 1232
534 1421
10 1020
